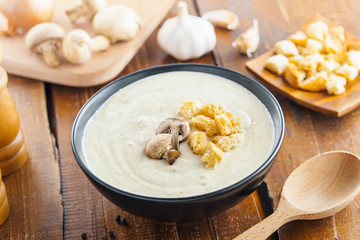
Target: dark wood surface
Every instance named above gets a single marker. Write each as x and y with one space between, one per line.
50 198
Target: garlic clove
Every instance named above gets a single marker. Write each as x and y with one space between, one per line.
222 18
248 41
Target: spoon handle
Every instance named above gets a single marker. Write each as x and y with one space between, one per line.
266 227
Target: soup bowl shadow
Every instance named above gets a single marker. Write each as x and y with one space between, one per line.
179 209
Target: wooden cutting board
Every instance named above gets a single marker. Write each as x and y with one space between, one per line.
102 67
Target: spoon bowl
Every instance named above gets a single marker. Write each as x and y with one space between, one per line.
318 188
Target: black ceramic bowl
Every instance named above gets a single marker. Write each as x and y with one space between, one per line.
185 208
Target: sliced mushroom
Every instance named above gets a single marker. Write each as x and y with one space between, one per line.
45 38
177 127
87 9
159 147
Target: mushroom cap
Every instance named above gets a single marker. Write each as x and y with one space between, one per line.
43 32
95 5
76 46
158 145
175 124
116 22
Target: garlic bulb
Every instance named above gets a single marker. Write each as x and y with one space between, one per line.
116 22
185 36
248 41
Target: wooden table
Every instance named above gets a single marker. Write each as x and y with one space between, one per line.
50 198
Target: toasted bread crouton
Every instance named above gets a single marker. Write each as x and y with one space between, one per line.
297 60
294 75
353 45
316 82
328 66
316 30
286 48
348 72
310 63
299 38
338 32
189 109
314 46
277 64
198 142
354 58
332 44
224 124
336 84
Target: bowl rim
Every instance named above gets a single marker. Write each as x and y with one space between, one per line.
179 67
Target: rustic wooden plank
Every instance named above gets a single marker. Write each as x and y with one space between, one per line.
303 137
335 134
34 190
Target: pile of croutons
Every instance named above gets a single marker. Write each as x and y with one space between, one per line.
214 131
317 59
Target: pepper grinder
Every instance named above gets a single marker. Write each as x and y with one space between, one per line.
4 204
13 152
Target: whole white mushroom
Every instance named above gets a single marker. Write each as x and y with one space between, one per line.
77 46
116 22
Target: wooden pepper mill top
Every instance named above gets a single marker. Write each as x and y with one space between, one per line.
13 152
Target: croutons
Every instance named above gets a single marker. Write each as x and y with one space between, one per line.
328 66
336 84
209 160
224 124
316 82
215 131
226 143
322 60
277 64
348 72
317 30
210 110
353 58
314 46
206 124
294 75
299 38
189 109
286 48
198 142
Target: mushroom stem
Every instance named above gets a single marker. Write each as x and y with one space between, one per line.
77 12
48 53
99 43
175 138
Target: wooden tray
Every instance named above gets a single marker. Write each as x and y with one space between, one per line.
102 67
317 101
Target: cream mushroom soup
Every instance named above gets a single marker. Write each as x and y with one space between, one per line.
115 137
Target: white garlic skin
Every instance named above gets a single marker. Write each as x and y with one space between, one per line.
186 37
248 41
117 23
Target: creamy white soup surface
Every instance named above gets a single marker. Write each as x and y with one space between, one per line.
115 137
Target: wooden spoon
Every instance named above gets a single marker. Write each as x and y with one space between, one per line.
318 188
